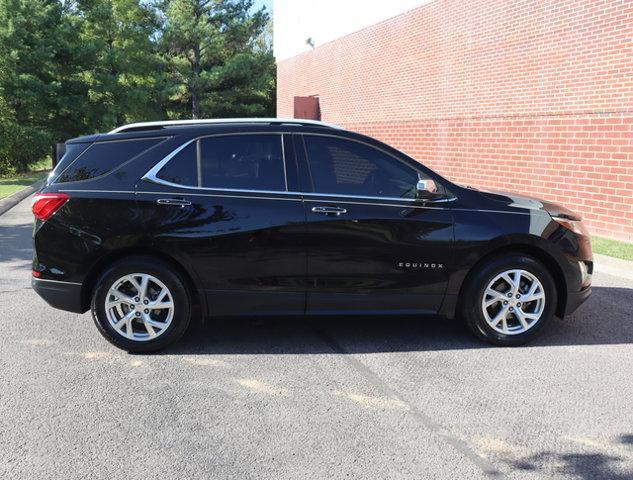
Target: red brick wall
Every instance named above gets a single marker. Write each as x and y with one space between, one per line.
524 95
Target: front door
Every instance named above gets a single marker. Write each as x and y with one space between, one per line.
372 246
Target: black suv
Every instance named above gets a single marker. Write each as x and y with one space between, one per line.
277 217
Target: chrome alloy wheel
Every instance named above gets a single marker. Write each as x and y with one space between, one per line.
513 302
139 307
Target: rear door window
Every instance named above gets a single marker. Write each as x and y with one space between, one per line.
234 162
243 162
103 157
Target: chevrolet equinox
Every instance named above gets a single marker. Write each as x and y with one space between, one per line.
290 217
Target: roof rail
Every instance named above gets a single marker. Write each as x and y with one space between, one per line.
220 121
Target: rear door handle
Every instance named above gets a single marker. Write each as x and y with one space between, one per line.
180 202
329 210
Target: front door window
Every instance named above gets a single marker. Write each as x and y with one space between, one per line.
345 167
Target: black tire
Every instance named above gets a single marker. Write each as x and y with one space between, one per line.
477 282
169 277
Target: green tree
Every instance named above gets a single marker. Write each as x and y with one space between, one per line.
36 96
217 62
7 134
121 77
74 67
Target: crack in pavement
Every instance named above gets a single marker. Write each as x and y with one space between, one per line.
459 445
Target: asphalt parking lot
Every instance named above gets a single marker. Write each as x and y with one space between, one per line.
294 398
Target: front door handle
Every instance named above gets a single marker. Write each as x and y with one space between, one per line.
180 202
329 210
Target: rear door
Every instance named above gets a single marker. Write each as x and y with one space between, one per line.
221 205
372 247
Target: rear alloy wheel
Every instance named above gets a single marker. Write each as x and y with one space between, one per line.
509 299
141 305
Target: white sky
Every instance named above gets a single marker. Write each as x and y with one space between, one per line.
325 20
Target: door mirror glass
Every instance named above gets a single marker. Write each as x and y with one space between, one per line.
426 188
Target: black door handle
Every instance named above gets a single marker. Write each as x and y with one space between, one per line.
329 210
179 202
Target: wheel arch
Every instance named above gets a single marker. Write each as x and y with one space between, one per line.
105 261
527 249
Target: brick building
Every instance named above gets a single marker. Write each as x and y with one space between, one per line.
524 95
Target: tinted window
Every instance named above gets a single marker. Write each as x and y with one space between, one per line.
252 162
73 150
101 158
345 167
181 169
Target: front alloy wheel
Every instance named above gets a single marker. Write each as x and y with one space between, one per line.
508 299
513 302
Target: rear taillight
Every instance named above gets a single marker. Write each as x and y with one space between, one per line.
46 204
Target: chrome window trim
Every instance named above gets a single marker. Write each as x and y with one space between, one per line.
378 204
151 175
304 194
298 198
74 190
235 190
362 197
220 195
301 199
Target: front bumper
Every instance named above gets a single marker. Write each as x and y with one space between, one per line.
62 295
576 299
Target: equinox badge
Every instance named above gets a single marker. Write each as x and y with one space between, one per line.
421 265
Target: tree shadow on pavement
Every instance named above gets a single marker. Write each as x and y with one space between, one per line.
586 466
602 320
627 439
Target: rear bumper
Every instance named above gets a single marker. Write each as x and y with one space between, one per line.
576 299
62 295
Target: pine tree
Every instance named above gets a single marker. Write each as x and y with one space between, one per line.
216 62
75 67
121 77
29 77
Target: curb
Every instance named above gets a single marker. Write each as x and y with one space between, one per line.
613 266
12 200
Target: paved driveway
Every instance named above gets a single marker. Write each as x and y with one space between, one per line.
292 398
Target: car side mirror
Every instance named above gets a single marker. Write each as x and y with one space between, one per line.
426 189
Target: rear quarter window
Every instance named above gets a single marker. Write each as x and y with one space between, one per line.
103 157
182 169
73 150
